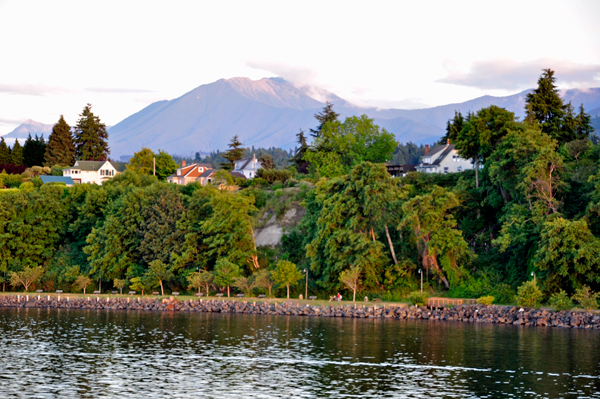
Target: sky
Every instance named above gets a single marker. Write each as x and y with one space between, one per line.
57 56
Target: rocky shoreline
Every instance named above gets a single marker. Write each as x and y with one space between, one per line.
464 313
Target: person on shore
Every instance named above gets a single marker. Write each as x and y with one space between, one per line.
339 297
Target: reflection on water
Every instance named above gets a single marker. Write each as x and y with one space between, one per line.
90 354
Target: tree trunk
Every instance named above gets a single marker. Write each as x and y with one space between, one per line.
288 290
227 291
162 291
431 261
121 290
387 233
83 290
100 284
354 295
254 257
373 234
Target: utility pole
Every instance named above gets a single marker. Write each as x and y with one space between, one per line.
421 273
306 285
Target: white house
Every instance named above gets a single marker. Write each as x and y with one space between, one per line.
443 158
94 171
247 167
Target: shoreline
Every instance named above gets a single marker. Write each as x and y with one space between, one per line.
464 313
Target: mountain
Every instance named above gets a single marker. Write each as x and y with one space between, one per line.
269 112
30 127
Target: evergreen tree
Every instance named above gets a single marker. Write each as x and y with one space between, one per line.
61 147
584 124
5 156
91 137
16 155
325 116
234 153
33 151
298 158
545 106
28 152
267 161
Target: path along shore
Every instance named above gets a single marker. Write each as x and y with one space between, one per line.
465 313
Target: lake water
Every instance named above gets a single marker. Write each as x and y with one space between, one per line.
97 354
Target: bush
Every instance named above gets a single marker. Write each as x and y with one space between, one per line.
27 186
278 193
503 293
586 298
529 295
418 298
486 300
561 301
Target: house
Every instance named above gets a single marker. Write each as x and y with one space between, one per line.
187 174
208 176
68 181
247 167
443 158
400 170
94 171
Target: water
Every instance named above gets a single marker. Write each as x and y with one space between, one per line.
100 354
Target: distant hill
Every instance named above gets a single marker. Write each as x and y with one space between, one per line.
269 112
30 127
596 125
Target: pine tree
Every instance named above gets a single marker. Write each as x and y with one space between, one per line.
28 152
5 156
584 124
40 150
91 137
16 155
234 153
545 105
61 147
327 115
298 158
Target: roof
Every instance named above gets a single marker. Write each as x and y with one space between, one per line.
439 152
205 165
238 175
119 166
207 173
244 162
57 179
89 166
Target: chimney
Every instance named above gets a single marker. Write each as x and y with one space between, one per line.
426 149
183 164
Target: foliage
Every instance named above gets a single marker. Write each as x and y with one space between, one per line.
159 273
33 151
486 300
273 175
561 301
529 295
81 282
418 298
26 277
16 154
225 273
200 279
263 281
351 279
119 284
585 297
141 284
233 154
286 273
61 147
91 137
244 284
5 157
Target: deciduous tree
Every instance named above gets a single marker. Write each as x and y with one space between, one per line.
286 273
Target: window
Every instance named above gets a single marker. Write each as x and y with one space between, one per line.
445 169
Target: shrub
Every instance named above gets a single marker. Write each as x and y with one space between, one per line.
503 293
278 193
418 298
529 295
27 186
486 300
586 298
561 301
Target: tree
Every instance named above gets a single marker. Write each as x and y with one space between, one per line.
244 284
225 273
298 158
201 279
351 279
267 161
286 273
82 282
434 228
91 137
141 284
26 277
263 281
16 154
33 151
61 147
120 283
142 161
229 230
233 154
159 272
165 165
5 156
586 298
325 116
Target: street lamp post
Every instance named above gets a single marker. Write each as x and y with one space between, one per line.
306 285
421 273
533 274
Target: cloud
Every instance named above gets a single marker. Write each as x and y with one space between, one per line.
28 89
299 75
116 90
6 121
512 75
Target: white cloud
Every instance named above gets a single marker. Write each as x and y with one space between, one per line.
504 74
299 75
8 121
116 90
28 89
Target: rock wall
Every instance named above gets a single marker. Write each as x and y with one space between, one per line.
465 313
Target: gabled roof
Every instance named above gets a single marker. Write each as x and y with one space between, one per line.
88 166
205 165
119 166
438 153
238 175
207 173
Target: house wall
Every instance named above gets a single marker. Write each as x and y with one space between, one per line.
453 163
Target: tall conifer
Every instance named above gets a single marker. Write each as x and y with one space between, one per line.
91 137
61 147
234 153
16 155
5 157
327 115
